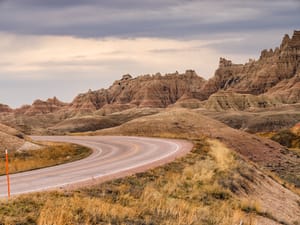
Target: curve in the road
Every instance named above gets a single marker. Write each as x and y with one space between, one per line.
112 157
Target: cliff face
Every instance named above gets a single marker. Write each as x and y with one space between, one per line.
144 91
5 108
227 100
286 91
276 75
257 77
41 107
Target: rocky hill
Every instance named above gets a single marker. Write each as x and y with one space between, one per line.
229 100
270 82
144 91
41 107
5 108
276 74
274 67
287 91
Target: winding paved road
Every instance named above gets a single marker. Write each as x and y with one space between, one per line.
112 157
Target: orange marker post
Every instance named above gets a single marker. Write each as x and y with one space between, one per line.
7 174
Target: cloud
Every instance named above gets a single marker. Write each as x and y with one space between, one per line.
81 63
82 44
135 18
39 55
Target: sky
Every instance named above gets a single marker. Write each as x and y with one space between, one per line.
66 47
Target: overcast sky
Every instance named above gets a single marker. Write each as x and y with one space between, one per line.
64 47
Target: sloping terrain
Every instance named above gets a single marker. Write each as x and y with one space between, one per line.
188 124
287 91
228 100
97 122
262 120
211 185
226 166
13 140
5 108
182 123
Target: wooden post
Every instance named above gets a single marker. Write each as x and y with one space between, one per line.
7 174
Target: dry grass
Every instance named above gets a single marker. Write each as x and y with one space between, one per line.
289 172
52 154
82 210
191 190
204 187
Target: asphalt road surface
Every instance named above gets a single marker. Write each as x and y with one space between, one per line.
112 157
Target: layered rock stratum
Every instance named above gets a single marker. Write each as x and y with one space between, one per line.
270 82
155 91
41 107
275 76
5 108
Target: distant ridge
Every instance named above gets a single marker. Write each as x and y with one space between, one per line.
275 76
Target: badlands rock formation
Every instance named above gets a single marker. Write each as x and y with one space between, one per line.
271 82
5 108
276 74
274 67
41 107
228 100
145 91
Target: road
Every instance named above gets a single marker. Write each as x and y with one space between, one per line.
112 157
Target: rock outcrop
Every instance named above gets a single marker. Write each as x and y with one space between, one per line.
145 91
273 78
228 100
41 107
270 81
5 108
287 91
258 77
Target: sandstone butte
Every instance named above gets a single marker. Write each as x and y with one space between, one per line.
272 79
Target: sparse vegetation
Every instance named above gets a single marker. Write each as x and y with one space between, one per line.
51 154
291 172
204 187
201 188
287 138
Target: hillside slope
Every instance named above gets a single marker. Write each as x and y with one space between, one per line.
13 140
269 155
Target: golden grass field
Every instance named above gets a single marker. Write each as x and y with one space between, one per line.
50 154
201 188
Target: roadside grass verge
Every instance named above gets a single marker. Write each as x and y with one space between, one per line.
201 188
50 154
